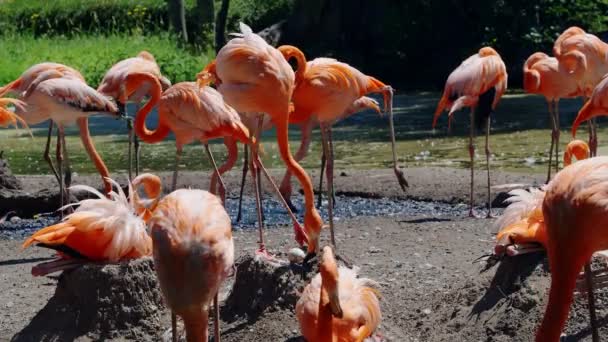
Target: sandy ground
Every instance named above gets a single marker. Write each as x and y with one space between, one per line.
431 289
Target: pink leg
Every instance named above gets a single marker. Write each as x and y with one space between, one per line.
233 152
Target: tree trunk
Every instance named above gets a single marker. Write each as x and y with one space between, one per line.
220 25
204 12
177 15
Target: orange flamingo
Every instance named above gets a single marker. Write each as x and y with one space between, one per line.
522 225
100 230
8 117
112 86
193 253
253 77
542 75
326 89
194 113
68 100
33 76
306 127
338 306
574 210
479 82
595 106
584 56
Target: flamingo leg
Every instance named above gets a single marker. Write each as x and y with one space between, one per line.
217 173
243 178
256 187
557 132
130 150
591 301
216 309
327 150
233 154
388 104
488 152
178 157
320 195
173 326
472 156
59 157
47 149
552 117
68 170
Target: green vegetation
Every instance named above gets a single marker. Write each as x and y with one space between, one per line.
94 55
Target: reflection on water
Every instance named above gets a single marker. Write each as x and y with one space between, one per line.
519 141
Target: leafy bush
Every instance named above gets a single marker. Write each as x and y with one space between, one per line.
94 55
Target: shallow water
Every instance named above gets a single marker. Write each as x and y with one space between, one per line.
519 140
275 214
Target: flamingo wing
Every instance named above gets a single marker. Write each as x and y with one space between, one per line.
77 94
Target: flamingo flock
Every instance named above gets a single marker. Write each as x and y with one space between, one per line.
251 87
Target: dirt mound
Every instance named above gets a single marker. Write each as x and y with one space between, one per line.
506 305
7 179
101 302
261 286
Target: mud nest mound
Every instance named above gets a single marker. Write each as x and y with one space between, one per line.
261 286
7 179
507 303
101 302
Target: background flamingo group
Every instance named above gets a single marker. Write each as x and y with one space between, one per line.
189 232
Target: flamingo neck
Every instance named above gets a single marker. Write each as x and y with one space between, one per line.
325 327
87 142
162 130
290 52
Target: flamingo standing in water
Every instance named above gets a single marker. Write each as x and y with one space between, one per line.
65 101
575 213
584 56
101 229
33 76
479 82
112 85
253 77
542 75
193 253
326 88
338 306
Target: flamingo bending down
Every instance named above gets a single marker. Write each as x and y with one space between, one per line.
113 85
584 56
338 306
306 127
326 88
28 81
575 214
522 225
193 253
596 105
479 82
100 230
542 75
253 77
65 101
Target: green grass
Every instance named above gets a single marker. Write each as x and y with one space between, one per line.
519 141
94 55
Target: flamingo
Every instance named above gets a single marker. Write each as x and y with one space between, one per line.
253 77
359 105
194 113
193 253
326 89
584 56
338 306
100 230
522 225
479 82
542 75
8 117
33 76
65 101
112 85
574 210
596 105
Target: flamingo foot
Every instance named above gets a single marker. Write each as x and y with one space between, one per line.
56 265
472 214
520 249
264 254
490 215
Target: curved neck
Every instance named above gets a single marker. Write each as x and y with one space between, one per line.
325 327
85 136
312 219
564 272
290 52
161 132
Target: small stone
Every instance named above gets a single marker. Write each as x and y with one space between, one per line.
15 219
343 174
374 250
426 312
